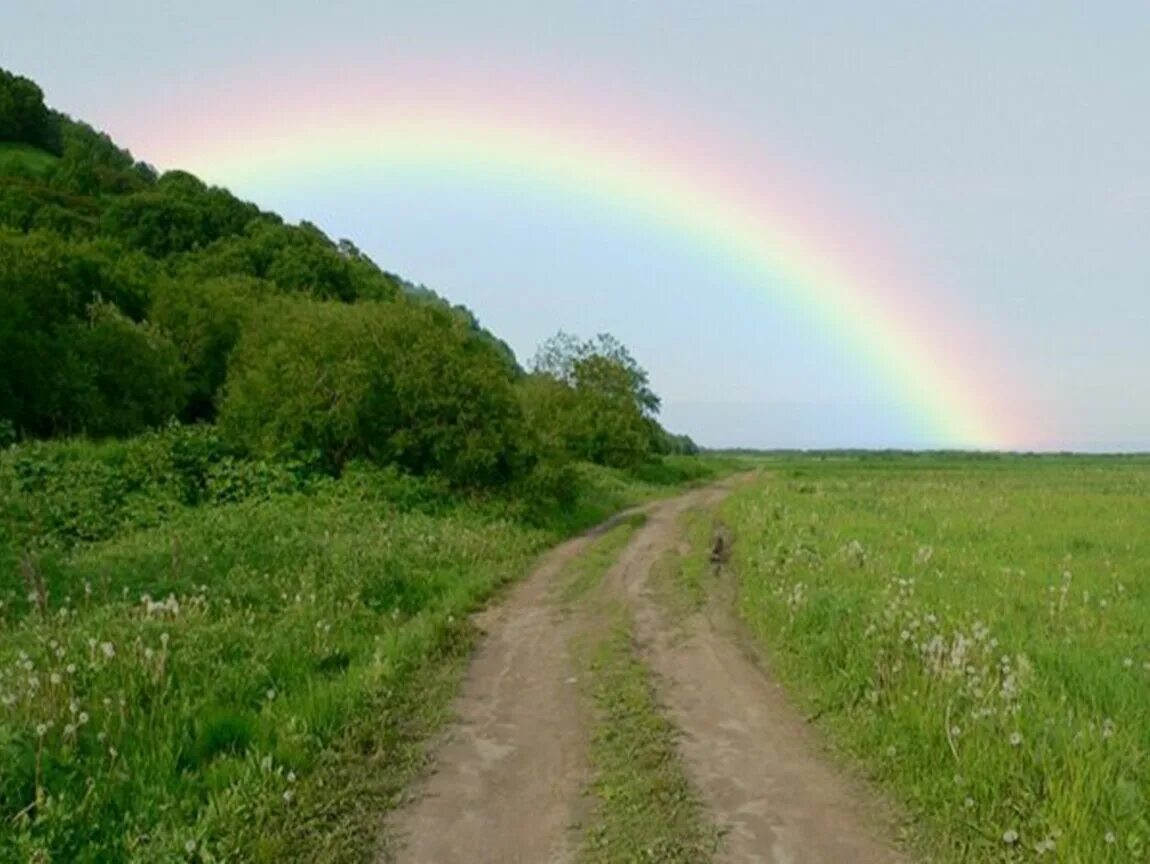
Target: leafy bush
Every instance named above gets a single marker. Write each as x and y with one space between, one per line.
390 382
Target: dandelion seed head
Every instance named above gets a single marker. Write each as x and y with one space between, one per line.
1010 836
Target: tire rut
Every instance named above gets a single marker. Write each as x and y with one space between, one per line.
747 751
512 771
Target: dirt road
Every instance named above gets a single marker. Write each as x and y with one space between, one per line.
509 777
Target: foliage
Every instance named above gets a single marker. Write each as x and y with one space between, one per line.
205 320
394 382
24 118
973 631
592 401
125 376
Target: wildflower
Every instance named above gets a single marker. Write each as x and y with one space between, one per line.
1107 728
291 777
890 751
1015 739
1128 662
271 694
1010 836
70 668
190 846
1110 838
70 730
289 794
41 730
55 678
109 650
968 803
83 717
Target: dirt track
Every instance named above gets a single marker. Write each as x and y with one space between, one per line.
509 779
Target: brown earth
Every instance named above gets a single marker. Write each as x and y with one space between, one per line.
511 774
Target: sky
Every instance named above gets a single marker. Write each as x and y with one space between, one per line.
995 155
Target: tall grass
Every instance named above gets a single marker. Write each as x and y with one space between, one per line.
205 658
975 633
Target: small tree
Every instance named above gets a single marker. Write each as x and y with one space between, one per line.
599 403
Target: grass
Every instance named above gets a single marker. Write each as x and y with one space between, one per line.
205 659
645 809
975 633
683 575
587 571
21 156
643 806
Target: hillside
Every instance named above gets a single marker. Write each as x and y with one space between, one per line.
251 485
132 297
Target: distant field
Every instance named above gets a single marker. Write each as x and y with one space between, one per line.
974 633
31 158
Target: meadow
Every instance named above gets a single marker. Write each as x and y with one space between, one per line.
205 658
973 634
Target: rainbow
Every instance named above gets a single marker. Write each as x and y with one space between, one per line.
608 156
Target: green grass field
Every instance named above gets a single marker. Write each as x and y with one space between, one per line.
974 634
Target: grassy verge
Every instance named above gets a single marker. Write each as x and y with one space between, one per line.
682 574
975 633
203 659
644 808
587 571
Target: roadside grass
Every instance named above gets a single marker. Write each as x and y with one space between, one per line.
683 573
169 713
206 659
643 808
975 633
586 571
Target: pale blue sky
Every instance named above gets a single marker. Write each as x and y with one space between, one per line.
1005 145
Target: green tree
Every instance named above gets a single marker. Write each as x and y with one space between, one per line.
394 382
599 401
123 376
205 320
24 117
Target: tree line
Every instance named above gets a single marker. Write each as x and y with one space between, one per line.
130 298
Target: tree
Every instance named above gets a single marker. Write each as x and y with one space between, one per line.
123 376
394 382
599 402
24 118
205 320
